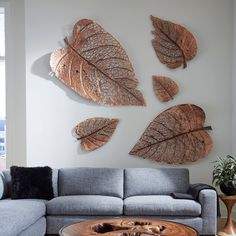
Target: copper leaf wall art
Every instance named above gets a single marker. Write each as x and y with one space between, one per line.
164 88
174 44
95 132
95 65
177 135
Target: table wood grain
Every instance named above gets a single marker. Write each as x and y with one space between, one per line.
128 227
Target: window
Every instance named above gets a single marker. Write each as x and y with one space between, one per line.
2 92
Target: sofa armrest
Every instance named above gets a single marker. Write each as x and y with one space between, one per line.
3 186
208 200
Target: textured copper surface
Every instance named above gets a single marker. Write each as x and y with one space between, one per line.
95 132
96 66
174 45
164 88
177 135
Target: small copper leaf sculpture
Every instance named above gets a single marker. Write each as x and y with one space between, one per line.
95 65
174 44
177 135
164 88
95 132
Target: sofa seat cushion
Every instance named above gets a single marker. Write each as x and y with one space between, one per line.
161 205
85 205
17 215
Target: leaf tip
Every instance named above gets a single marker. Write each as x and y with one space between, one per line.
66 41
140 101
116 121
131 152
144 104
153 19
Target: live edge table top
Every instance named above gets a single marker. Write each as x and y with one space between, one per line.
128 227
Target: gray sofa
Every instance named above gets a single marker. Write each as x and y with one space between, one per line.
89 193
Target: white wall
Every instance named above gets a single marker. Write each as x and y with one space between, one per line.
233 90
234 84
53 109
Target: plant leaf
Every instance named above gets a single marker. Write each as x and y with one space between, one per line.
96 66
224 171
95 132
177 135
164 88
174 45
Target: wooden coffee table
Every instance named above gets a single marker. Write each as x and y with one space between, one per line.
128 227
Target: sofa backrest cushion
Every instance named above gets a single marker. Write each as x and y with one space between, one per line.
150 181
91 181
7 179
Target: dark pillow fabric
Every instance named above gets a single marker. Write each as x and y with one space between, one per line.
31 182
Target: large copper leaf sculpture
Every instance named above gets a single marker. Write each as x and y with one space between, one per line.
95 132
174 44
164 88
95 65
177 135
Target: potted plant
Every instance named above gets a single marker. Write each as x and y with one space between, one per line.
224 174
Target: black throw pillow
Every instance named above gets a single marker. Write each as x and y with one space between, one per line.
31 182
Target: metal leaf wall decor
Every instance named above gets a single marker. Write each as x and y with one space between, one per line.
164 88
174 45
95 132
96 66
177 135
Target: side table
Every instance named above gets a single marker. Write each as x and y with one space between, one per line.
229 228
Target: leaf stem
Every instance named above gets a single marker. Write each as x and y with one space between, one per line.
207 128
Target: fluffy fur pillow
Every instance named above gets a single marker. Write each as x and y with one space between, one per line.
31 182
